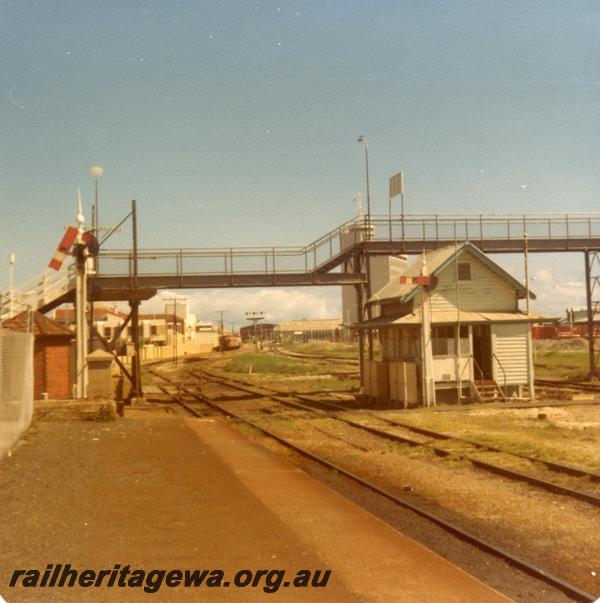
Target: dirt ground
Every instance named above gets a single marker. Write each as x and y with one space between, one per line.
551 530
155 490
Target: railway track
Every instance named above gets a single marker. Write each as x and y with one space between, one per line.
459 448
568 384
333 359
557 384
539 573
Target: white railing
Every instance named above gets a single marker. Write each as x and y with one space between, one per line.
38 291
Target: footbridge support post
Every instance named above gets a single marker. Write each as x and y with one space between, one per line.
592 288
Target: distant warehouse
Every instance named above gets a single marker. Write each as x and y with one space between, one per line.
322 329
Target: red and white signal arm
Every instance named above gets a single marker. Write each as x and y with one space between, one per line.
415 280
63 248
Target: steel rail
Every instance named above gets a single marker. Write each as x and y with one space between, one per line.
569 469
569 589
301 356
442 452
588 387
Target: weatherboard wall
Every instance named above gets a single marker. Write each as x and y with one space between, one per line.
510 347
486 291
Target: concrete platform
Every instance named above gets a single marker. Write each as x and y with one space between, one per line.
164 492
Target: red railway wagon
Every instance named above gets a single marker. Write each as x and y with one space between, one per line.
229 342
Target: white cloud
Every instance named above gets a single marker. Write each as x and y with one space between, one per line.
277 303
554 295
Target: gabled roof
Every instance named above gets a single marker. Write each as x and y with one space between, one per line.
437 261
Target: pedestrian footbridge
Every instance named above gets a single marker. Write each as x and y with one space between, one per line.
329 260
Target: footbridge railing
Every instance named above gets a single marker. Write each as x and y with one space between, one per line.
486 227
382 234
560 230
37 292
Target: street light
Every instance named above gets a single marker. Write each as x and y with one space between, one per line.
362 140
96 171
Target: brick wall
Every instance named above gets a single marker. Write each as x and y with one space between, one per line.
52 368
58 371
39 370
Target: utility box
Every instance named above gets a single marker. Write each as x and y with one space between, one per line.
376 380
403 382
100 374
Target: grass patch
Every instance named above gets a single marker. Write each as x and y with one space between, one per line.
569 364
518 433
329 349
306 386
325 348
267 363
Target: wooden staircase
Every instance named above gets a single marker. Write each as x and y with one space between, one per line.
487 390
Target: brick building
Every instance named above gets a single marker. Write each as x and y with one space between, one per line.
52 364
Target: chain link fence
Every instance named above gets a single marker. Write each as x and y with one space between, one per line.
16 386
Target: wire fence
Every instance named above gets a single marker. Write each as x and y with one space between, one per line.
16 386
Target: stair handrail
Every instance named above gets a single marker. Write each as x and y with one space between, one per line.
503 373
472 381
476 365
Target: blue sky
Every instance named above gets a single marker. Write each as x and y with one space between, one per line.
235 122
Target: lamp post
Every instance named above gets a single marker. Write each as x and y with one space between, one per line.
362 140
96 171
81 333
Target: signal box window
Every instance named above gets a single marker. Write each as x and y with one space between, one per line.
464 271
